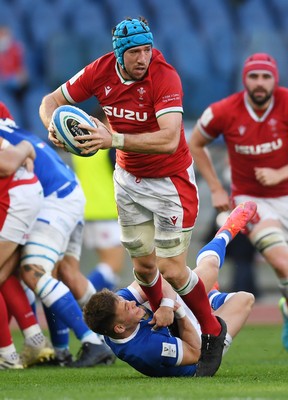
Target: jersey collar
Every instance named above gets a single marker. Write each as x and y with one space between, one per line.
124 81
127 339
252 113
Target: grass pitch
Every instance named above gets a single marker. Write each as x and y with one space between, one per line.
256 367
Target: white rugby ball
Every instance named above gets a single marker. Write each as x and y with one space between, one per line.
65 120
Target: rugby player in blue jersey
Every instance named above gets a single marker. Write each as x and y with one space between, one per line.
56 232
128 325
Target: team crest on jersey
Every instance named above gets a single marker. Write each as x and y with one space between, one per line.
242 130
272 123
141 92
169 350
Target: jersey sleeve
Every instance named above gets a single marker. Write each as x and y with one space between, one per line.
211 122
164 350
79 87
167 88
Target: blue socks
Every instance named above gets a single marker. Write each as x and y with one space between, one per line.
217 247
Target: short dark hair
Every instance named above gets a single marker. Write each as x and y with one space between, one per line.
99 312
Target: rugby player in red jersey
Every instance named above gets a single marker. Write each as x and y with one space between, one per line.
254 124
156 194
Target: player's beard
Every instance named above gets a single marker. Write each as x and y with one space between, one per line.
135 77
260 100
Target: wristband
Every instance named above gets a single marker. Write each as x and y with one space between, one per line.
165 302
180 313
118 140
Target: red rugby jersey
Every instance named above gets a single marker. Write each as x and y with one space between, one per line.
4 112
133 107
251 141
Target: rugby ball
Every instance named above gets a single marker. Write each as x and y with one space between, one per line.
65 120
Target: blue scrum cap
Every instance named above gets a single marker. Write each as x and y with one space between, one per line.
130 33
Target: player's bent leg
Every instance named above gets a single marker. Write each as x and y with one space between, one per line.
234 308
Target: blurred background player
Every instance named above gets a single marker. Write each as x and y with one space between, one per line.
57 220
14 75
101 229
254 126
19 189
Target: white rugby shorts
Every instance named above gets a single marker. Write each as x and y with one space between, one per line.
172 202
60 216
25 203
269 208
101 234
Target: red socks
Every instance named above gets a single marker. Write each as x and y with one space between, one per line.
198 303
17 303
154 293
5 335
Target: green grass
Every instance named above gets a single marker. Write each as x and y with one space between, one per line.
256 367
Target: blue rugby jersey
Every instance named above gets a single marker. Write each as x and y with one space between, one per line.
153 353
49 167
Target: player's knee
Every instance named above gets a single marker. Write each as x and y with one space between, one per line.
171 244
167 243
268 238
248 299
29 274
169 274
138 239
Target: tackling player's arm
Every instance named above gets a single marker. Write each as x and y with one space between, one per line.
203 161
190 339
164 316
12 157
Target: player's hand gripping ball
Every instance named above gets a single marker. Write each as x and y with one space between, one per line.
65 120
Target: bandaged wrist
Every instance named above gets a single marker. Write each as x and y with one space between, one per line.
118 140
180 313
165 302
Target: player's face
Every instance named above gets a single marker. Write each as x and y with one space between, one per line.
128 313
260 86
136 61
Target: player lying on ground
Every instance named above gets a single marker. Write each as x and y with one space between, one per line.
127 322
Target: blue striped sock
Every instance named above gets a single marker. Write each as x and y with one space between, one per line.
217 245
217 299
